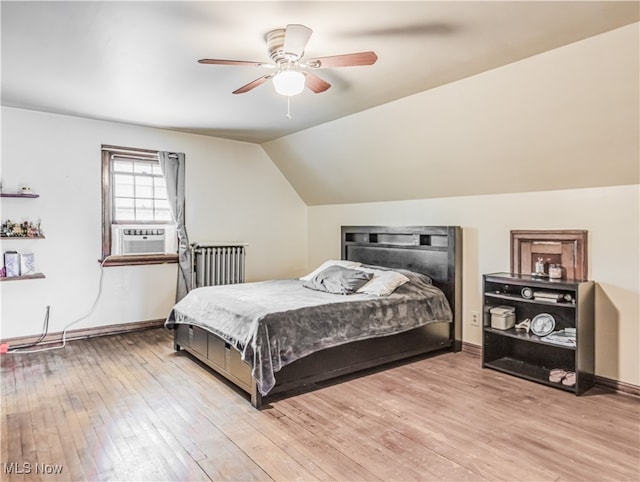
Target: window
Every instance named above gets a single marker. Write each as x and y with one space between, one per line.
139 193
137 224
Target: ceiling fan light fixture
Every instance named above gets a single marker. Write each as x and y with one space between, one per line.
286 50
289 82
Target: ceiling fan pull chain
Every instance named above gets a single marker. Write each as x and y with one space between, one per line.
288 107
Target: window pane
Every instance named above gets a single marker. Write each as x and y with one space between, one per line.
123 209
144 209
142 167
144 203
122 166
144 191
124 179
125 190
162 215
125 215
162 204
160 191
144 215
144 187
144 181
125 202
157 171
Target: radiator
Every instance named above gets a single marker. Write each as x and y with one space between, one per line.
217 264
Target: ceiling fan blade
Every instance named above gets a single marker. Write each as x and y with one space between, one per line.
295 39
253 84
344 60
230 62
315 84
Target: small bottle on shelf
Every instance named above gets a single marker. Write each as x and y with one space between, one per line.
539 268
555 271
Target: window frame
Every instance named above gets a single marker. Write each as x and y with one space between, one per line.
107 259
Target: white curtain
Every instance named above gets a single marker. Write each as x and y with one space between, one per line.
172 166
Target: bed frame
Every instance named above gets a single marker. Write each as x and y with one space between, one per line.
434 251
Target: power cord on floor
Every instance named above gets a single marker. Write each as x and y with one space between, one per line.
45 331
63 341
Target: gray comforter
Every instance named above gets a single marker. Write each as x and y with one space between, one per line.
273 323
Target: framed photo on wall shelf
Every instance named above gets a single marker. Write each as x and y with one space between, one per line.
567 248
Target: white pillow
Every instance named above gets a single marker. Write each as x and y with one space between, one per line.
383 283
331 262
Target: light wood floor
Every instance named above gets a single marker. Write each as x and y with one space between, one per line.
128 408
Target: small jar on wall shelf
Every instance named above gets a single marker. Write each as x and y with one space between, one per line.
22 191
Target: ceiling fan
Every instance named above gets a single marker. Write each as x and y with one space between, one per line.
286 49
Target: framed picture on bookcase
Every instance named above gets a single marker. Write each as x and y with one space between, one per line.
566 248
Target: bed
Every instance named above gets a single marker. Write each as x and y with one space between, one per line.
278 337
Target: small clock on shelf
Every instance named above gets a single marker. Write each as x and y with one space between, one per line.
542 324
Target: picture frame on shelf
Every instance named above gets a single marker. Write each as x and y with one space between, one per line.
565 248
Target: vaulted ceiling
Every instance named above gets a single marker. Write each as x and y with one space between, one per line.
136 62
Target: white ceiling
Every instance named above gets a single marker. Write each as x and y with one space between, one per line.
136 62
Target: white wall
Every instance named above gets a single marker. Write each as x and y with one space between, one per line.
611 216
234 193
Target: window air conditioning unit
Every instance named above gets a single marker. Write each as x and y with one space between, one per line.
130 240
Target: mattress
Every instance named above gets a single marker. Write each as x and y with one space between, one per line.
273 323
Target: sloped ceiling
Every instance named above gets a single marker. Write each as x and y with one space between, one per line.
135 62
564 119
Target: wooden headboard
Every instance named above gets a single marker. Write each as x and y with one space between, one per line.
432 250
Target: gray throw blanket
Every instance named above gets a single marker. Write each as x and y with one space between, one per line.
273 323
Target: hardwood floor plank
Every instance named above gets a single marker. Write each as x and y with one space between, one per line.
203 441
484 422
127 407
331 463
358 444
251 442
401 430
423 461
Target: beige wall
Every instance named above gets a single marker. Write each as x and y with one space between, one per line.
611 216
234 193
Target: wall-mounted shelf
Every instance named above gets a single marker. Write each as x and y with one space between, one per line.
21 237
29 276
17 194
18 278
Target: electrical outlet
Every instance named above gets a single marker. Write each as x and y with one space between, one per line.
475 318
